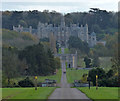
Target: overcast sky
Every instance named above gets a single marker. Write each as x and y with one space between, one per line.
63 6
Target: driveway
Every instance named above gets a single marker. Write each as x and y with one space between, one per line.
65 92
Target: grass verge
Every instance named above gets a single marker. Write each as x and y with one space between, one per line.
104 93
27 93
75 74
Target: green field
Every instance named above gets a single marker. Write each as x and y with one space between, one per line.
59 51
75 74
105 62
27 93
101 93
16 39
66 51
56 77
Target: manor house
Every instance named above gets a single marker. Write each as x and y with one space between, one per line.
61 32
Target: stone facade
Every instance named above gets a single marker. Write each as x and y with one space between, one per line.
61 33
70 59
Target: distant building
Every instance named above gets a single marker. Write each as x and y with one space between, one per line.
101 42
61 33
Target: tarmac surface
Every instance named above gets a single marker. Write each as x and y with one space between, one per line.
65 92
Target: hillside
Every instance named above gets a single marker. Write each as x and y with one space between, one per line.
102 22
16 39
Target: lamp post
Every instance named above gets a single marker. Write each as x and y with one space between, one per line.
35 82
96 82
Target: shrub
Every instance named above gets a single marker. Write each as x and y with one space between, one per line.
98 71
26 83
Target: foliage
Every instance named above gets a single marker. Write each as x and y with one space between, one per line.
11 65
84 78
59 51
104 79
40 62
105 63
98 71
44 40
106 50
109 82
98 20
96 62
26 83
16 39
87 62
57 62
77 43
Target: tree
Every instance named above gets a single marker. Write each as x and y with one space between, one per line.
44 39
40 60
10 65
96 62
98 71
77 43
53 43
87 62
57 62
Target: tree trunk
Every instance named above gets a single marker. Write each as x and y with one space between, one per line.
8 81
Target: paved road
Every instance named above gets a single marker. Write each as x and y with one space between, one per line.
65 92
62 50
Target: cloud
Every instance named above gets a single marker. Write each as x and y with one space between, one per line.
63 6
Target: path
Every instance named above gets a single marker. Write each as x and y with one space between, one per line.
65 92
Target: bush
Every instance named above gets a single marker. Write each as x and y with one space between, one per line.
26 83
110 82
98 71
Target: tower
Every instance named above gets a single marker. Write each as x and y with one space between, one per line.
92 39
86 33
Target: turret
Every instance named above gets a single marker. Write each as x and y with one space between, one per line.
92 39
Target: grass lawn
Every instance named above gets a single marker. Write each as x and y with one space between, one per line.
59 51
105 62
101 93
66 50
56 77
27 93
75 74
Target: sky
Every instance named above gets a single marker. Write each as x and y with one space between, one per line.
62 6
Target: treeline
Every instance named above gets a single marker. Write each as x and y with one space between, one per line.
99 50
17 39
100 21
31 61
76 43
